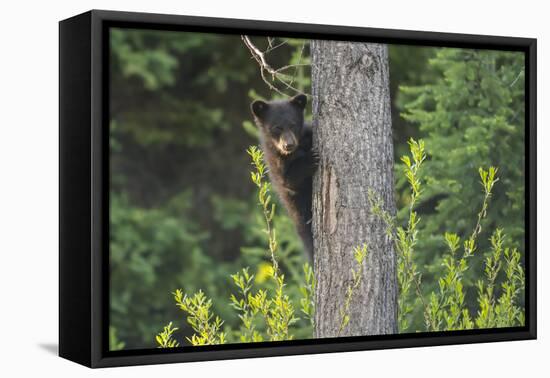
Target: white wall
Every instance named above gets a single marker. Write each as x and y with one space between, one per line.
28 186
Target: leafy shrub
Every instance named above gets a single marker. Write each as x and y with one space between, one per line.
272 309
446 310
360 255
165 340
469 109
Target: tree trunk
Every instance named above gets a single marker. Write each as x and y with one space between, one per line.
353 136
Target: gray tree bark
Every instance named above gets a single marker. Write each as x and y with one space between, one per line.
353 136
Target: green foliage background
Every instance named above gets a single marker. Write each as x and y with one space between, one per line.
183 212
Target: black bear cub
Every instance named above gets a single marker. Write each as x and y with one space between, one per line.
287 145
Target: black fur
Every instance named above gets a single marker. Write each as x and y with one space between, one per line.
287 145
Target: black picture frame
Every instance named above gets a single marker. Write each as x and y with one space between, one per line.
84 188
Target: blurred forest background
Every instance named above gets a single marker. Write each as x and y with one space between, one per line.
184 212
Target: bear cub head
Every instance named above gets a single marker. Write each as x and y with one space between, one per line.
281 122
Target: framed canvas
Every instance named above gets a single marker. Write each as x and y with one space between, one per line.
235 188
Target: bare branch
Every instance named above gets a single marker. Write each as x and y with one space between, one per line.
258 55
271 48
276 74
288 85
260 58
284 68
299 62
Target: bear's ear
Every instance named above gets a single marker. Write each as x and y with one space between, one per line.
299 100
259 108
